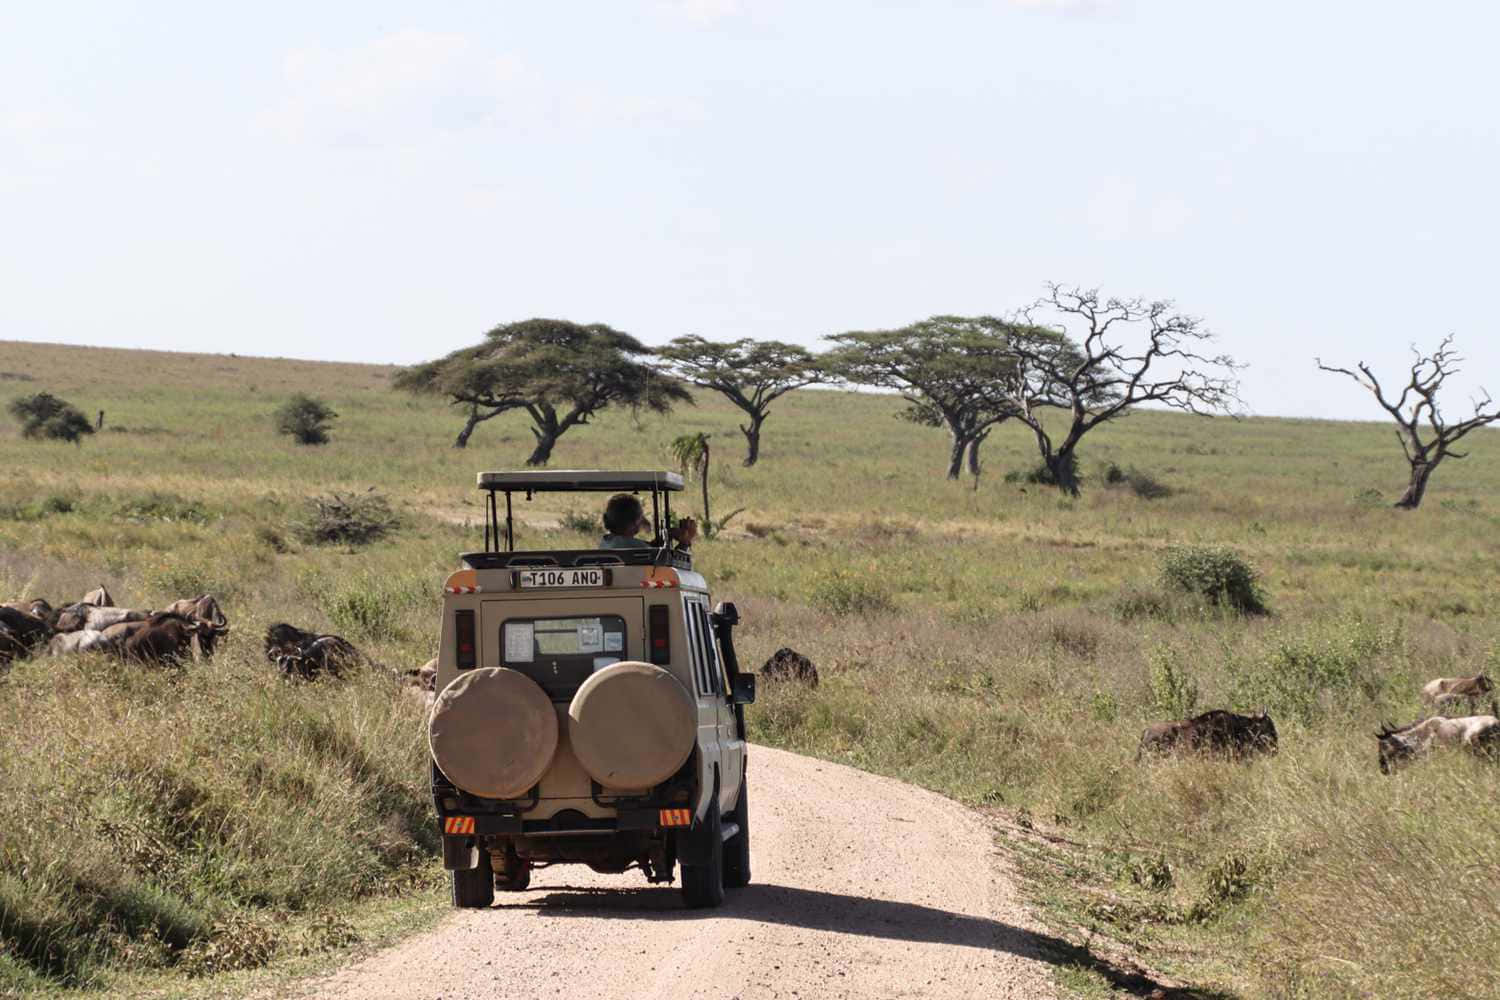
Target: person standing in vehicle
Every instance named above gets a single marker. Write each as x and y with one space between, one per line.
625 518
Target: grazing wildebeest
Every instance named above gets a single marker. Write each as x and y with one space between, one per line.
1216 731
213 622
306 654
1457 692
24 630
1478 733
162 638
83 641
787 664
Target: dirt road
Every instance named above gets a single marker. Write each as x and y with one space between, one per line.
864 887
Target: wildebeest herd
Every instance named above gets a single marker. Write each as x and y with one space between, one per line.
189 628
1241 736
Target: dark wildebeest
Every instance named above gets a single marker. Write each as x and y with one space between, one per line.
212 621
787 664
1477 733
24 631
1216 731
162 638
307 654
36 608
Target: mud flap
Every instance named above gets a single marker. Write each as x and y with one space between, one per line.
460 854
694 846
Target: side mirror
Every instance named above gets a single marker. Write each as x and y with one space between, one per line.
744 690
725 613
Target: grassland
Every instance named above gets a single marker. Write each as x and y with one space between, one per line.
1001 644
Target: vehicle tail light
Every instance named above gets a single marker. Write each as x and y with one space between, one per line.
660 635
465 653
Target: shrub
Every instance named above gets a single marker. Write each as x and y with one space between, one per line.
1040 475
1306 674
845 592
1174 692
355 519
305 419
583 522
1220 575
44 416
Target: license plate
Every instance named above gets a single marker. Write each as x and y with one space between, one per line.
529 579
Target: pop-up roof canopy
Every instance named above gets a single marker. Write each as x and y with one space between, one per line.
579 481
531 482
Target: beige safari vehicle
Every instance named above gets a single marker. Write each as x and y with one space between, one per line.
590 709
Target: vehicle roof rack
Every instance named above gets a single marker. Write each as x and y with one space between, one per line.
579 480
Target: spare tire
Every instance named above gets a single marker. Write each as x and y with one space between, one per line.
493 732
632 725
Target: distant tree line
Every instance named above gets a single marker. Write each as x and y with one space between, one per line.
1069 362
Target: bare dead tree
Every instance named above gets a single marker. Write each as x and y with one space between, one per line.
1418 403
1069 356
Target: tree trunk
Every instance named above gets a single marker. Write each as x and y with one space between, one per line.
956 457
752 439
703 478
1064 471
462 441
974 453
546 437
1417 488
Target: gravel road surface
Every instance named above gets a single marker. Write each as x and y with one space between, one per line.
863 887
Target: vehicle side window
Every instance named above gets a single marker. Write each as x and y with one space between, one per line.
695 646
710 649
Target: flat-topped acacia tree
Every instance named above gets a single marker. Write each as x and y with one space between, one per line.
751 374
560 373
1418 403
945 368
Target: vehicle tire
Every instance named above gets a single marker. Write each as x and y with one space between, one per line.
737 848
475 888
516 882
703 885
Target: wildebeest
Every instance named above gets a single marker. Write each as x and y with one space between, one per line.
306 654
1479 733
83 641
787 664
213 622
23 631
102 618
1450 692
98 597
162 638
36 607
1216 731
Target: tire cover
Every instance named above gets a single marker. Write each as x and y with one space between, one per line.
493 732
632 725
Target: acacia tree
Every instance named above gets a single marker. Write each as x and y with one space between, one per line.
751 374
46 416
1069 355
944 367
560 373
1417 403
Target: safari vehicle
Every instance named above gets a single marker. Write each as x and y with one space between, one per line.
590 709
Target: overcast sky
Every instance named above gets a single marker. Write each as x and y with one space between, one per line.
384 182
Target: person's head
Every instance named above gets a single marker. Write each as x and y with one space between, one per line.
623 515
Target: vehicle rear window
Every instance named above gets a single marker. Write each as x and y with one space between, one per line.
561 653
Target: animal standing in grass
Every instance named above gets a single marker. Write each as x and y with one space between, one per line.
1215 731
1476 733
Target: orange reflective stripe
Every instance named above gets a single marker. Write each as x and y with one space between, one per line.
458 824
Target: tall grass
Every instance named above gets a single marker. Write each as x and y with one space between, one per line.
1000 644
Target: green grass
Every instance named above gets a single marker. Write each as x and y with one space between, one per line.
1001 644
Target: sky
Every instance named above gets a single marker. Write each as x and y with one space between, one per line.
385 182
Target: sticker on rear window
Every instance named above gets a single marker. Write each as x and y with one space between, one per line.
614 642
600 662
590 638
520 641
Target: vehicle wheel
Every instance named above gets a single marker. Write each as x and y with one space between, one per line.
475 888
514 881
737 848
703 885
